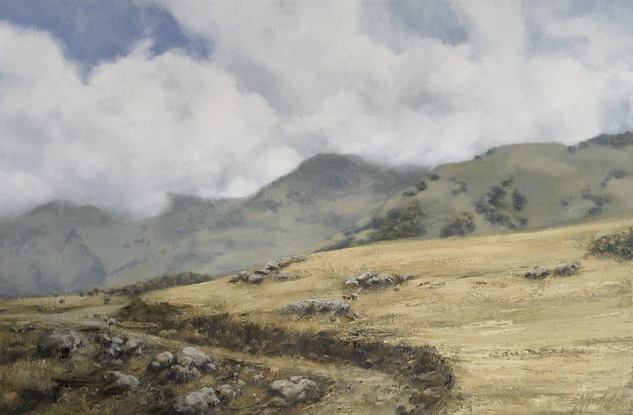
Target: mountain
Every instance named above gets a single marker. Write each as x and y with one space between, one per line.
510 187
63 247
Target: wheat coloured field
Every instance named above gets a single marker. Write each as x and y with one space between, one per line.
561 345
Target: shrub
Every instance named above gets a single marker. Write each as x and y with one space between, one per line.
518 200
399 223
462 225
619 245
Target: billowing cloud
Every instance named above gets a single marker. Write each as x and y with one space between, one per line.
276 82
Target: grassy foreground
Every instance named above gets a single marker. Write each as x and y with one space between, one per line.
560 345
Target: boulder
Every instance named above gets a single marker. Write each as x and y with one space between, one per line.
369 280
256 279
193 357
320 306
296 389
537 273
59 343
124 382
566 269
161 361
197 402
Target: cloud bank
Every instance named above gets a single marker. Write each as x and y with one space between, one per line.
267 84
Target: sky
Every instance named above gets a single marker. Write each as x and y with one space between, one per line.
118 103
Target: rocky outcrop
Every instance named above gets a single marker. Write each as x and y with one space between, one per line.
566 269
161 361
60 343
295 389
272 270
117 349
537 273
563 269
197 402
372 281
317 306
124 382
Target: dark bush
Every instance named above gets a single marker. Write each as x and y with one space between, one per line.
462 225
518 200
619 245
496 196
399 223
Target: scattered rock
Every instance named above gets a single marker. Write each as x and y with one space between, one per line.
320 306
296 389
374 281
192 357
161 361
59 343
197 403
566 269
117 348
124 382
255 279
537 273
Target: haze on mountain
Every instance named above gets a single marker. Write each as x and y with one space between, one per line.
330 201
115 104
60 246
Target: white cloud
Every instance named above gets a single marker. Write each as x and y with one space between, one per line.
289 79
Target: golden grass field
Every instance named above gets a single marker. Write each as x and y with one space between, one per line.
561 345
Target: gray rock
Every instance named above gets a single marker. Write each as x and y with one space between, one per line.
256 279
369 280
59 343
566 269
124 382
197 403
308 307
133 346
111 353
294 390
537 273
192 357
272 265
161 361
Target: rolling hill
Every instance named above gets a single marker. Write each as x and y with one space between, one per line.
61 247
511 187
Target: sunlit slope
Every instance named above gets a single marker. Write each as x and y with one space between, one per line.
511 187
518 346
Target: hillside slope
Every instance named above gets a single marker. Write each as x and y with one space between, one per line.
62 247
559 345
510 187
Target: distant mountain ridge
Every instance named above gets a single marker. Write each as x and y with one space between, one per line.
60 247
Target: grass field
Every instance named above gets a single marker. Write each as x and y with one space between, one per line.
561 345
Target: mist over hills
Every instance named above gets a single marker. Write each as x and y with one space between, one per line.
330 201
60 247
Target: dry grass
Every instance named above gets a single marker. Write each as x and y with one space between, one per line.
560 345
